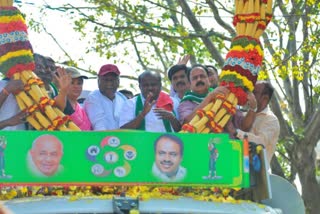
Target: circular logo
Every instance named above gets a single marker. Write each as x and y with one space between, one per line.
111 157
114 141
93 150
120 171
130 155
97 169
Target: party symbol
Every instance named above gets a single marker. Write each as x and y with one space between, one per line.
92 153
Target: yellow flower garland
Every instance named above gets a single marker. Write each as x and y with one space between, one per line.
15 18
15 54
248 48
247 83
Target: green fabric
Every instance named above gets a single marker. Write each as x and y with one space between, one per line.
195 97
55 90
139 108
167 125
68 109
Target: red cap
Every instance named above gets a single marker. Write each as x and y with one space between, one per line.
108 68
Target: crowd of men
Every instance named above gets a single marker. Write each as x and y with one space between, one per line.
151 110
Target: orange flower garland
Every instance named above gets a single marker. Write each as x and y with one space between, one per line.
242 66
16 53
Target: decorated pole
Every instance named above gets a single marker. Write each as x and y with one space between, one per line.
17 62
241 68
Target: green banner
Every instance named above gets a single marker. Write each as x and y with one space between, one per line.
121 158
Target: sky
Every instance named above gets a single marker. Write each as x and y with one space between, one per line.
62 29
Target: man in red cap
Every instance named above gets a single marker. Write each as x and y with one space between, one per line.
103 105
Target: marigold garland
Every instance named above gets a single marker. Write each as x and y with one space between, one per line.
238 80
144 193
17 62
242 66
16 49
246 52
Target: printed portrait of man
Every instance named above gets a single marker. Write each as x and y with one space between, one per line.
168 156
45 155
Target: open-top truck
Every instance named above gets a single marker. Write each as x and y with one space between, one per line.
213 167
113 172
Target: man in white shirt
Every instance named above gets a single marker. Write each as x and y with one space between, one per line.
151 110
103 105
178 76
11 117
262 125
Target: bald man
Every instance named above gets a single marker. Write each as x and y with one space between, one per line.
45 155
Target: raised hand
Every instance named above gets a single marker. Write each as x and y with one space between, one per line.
251 102
148 103
63 79
184 60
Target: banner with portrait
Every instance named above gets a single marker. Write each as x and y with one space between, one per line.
121 158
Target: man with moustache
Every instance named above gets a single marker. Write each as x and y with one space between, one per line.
178 76
151 110
103 105
168 156
200 87
200 96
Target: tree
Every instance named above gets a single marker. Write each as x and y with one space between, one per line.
159 32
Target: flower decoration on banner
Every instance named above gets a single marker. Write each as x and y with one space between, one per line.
17 62
144 193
